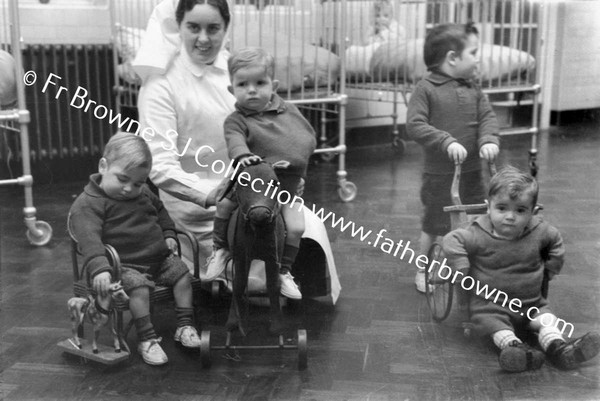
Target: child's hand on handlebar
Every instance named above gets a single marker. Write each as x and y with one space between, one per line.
489 151
249 160
457 153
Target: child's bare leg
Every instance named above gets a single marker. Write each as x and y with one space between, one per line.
148 347
182 292
217 262
294 223
425 242
186 333
139 306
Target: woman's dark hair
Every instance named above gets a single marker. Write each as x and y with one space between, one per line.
187 5
443 38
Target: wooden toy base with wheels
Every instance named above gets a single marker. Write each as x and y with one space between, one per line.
106 354
301 346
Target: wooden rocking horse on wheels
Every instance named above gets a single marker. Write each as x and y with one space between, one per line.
256 231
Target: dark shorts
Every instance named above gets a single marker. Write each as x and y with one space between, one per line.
166 274
435 194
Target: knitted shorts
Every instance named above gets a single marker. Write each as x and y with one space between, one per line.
167 273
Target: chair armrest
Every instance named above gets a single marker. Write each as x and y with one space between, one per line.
114 260
195 249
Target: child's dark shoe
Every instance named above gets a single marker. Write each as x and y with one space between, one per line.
568 355
519 357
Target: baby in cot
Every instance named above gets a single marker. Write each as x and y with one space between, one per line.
383 25
264 126
118 208
510 249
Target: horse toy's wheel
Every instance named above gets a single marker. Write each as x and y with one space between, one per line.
302 350
205 348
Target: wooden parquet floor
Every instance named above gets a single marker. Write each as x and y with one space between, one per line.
377 343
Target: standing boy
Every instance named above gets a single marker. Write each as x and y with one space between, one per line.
450 117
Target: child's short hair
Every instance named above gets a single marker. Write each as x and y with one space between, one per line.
515 183
443 38
251 57
128 148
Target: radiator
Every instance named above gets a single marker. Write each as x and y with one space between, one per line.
61 133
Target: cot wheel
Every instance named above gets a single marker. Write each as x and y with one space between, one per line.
347 191
302 350
205 348
438 292
399 145
42 237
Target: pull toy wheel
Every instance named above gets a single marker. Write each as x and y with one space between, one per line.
437 290
205 348
302 349
301 346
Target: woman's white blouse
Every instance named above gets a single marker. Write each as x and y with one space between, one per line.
181 116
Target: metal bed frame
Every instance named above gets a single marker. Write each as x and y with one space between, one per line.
16 120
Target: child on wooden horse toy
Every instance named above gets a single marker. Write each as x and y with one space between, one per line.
118 208
510 249
264 126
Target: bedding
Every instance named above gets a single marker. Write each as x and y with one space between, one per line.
395 60
8 83
297 64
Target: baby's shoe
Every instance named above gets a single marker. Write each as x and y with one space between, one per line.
519 357
216 263
568 355
152 353
187 336
289 288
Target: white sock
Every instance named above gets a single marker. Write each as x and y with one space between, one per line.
502 338
547 334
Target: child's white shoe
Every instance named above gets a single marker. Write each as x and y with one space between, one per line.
152 353
216 263
289 288
188 337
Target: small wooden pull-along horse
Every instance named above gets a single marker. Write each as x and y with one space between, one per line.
256 231
97 312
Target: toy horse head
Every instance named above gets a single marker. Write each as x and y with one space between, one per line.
257 200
